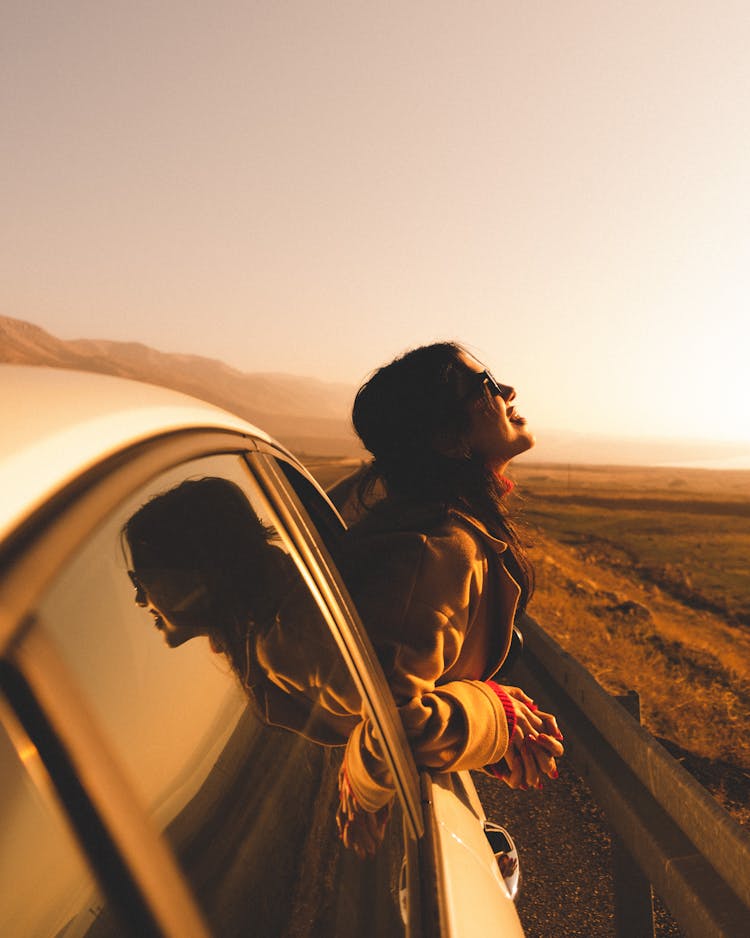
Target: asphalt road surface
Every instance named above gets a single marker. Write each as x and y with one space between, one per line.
564 846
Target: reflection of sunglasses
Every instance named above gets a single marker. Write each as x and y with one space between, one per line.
178 587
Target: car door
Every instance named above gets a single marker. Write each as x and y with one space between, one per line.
145 791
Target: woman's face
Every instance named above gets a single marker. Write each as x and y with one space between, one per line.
496 431
177 601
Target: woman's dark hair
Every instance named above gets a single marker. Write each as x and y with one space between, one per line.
208 528
410 414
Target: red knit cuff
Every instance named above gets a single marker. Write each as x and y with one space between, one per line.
505 700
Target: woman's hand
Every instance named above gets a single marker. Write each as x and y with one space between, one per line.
534 745
529 717
528 759
361 831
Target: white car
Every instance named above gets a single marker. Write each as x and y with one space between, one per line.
140 791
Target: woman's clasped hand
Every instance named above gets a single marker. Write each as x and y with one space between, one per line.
535 743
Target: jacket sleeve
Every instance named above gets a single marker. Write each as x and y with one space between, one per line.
458 724
422 594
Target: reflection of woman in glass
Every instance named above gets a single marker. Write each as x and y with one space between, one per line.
203 563
437 570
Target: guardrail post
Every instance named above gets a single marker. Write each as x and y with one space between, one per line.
634 906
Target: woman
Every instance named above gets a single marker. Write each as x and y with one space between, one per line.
438 573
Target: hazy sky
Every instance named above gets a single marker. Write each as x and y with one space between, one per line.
314 186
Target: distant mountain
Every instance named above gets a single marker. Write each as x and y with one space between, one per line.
307 415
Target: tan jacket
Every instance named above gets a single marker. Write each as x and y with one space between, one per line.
438 604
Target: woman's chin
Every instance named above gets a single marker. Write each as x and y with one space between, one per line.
176 637
523 443
530 441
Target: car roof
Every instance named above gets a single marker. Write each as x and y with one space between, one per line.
58 422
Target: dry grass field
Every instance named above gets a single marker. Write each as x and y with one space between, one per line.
644 576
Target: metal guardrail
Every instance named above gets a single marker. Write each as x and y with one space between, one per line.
689 848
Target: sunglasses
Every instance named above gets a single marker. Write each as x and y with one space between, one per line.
488 380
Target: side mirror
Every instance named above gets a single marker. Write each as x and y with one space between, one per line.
506 856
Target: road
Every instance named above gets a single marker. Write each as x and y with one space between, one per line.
564 848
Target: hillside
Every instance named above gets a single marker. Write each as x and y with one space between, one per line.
306 414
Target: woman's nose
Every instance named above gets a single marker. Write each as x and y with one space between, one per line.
140 596
507 393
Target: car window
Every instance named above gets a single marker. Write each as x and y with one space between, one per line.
45 884
203 648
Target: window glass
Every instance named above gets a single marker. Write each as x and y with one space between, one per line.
45 886
203 648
